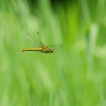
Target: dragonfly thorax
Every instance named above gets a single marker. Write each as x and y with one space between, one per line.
47 50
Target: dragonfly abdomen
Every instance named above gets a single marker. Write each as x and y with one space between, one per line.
31 49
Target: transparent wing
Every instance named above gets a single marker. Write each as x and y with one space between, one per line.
56 46
34 41
40 41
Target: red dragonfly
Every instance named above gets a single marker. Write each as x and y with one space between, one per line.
42 48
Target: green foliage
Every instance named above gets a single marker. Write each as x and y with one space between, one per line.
71 76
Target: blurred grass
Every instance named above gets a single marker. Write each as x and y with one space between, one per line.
72 76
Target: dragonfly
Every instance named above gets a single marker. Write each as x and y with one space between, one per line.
42 48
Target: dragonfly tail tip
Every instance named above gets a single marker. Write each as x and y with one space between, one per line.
22 50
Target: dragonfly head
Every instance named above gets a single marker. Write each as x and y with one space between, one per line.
51 50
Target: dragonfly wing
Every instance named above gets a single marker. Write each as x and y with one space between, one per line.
31 41
42 44
40 41
56 46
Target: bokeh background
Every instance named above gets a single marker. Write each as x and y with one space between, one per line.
74 75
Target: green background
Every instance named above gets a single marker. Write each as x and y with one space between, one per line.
74 75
